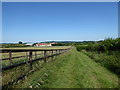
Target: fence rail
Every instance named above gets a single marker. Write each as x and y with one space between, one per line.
18 57
26 50
53 52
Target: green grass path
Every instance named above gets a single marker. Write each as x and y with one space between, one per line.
71 70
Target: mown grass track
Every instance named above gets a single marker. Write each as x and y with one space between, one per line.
71 70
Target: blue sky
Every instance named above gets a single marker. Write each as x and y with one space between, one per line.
73 21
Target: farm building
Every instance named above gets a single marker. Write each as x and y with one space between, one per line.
44 44
29 44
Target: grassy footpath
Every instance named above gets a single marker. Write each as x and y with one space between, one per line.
71 70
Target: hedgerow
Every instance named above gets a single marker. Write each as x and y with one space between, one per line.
108 44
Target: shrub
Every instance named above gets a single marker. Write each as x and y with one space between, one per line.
108 44
81 47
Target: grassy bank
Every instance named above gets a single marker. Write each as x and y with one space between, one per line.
71 70
110 60
106 53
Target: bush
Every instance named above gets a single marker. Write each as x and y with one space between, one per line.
108 44
81 47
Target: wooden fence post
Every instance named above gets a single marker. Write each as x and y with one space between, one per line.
30 59
56 51
45 56
30 55
10 57
59 51
43 53
52 54
26 55
35 54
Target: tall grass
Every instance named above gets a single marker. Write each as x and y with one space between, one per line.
109 60
106 52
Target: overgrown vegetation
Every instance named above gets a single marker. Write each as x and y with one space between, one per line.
12 76
71 70
106 52
109 44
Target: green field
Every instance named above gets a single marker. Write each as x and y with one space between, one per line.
71 70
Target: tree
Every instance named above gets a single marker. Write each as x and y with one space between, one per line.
20 42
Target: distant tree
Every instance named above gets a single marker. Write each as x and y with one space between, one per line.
34 44
20 42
